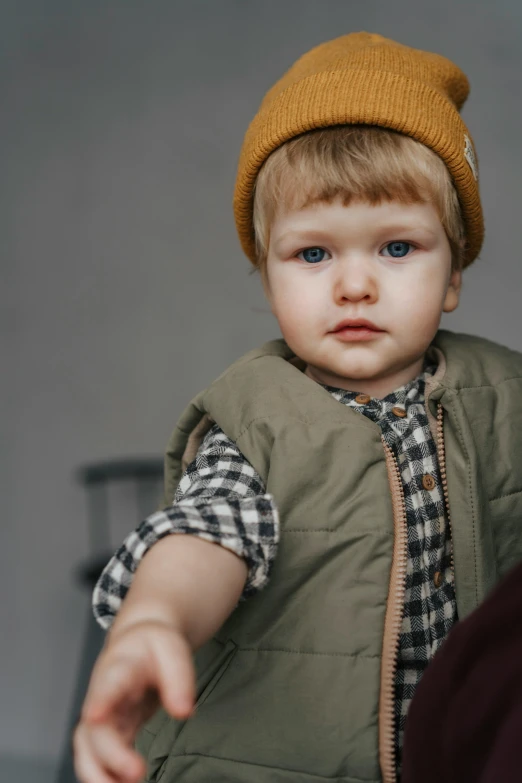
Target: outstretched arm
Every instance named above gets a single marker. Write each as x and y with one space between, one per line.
163 596
182 592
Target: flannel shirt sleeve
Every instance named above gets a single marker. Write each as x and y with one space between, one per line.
220 499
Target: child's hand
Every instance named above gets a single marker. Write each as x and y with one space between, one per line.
143 665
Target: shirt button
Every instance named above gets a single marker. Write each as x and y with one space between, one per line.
363 399
437 578
428 482
400 412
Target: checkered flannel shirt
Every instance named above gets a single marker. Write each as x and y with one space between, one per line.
221 499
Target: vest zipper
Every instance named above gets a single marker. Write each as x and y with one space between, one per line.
441 452
395 606
392 622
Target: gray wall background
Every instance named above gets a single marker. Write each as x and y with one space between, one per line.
124 289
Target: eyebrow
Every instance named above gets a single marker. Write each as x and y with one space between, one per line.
310 235
407 228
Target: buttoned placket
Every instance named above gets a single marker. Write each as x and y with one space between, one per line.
377 411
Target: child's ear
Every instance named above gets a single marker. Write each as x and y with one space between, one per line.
451 300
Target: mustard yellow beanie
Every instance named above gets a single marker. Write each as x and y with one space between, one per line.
364 78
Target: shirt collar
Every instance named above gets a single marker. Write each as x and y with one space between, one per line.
411 393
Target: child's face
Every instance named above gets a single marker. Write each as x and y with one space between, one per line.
389 264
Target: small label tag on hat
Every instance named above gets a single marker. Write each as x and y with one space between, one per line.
469 154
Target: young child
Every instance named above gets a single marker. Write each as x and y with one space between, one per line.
342 495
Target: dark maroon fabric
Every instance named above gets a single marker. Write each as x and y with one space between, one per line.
465 721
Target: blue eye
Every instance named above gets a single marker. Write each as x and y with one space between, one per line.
312 255
397 249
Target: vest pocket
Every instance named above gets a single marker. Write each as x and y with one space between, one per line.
506 515
214 668
157 737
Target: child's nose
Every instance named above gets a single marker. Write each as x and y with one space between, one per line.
355 282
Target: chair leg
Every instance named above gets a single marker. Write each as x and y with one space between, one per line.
93 641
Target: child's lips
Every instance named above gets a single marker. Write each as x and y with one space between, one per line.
356 333
354 323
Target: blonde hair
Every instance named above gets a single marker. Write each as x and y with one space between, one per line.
354 163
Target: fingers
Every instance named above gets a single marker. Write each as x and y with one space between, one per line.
129 678
112 682
122 680
175 679
101 757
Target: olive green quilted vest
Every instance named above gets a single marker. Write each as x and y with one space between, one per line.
289 688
